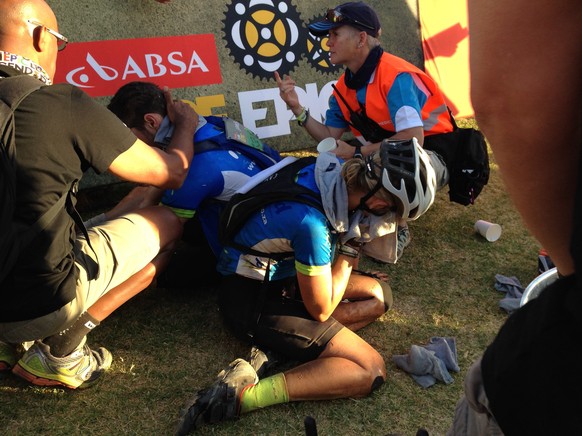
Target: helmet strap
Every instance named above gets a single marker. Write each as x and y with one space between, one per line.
363 206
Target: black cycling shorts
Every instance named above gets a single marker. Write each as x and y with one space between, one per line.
280 322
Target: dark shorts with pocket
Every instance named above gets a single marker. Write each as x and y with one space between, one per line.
279 321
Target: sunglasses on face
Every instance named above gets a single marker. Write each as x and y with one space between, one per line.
62 40
378 212
335 16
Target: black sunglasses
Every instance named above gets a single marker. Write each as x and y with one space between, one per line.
62 40
335 16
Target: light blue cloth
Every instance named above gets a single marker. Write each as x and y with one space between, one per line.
430 363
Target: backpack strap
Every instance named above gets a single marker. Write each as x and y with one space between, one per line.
65 201
370 129
14 89
453 121
280 186
43 221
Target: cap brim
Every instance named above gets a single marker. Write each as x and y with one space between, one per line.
321 28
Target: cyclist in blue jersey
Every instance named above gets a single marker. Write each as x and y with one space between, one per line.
219 168
307 306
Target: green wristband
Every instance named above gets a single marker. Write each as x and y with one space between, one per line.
302 117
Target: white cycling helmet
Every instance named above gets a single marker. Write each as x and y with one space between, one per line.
407 174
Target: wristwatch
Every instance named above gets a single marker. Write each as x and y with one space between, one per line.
358 152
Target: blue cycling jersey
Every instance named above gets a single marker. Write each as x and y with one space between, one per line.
281 227
213 178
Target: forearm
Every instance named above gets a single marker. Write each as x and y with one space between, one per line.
316 130
341 272
181 148
346 261
413 132
368 149
323 293
138 198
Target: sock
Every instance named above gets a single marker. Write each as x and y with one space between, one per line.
267 392
65 342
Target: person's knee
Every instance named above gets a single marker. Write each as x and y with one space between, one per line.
387 295
371 368
377 383
376 379
166 223
382 292
368 381
376 372
379 366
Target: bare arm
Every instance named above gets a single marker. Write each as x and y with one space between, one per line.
526 88
147 165
317 130
322 294
138 198
346 151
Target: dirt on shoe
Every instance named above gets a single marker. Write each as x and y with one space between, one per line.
220 401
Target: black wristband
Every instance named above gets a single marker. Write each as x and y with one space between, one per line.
349 251
354 244
358 152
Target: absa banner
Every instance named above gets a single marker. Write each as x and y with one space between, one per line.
100 68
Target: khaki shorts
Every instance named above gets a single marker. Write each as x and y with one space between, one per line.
122 246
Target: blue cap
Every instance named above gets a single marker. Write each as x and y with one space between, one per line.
355 14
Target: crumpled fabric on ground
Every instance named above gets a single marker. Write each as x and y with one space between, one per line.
513 292
430 363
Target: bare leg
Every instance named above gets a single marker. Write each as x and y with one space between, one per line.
367 302
169 229
348 367
527 104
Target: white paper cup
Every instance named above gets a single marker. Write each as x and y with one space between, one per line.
327 144
489 231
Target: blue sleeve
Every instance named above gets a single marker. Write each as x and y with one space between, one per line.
204 180
334 116
312 244
405 92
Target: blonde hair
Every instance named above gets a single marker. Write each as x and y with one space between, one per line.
357 178
373 42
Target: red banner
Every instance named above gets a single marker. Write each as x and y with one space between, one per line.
101 67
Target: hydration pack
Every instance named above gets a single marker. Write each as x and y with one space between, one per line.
280 186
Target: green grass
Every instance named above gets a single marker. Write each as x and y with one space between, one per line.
168 343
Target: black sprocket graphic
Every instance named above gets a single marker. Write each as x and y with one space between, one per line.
264 36
318 52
